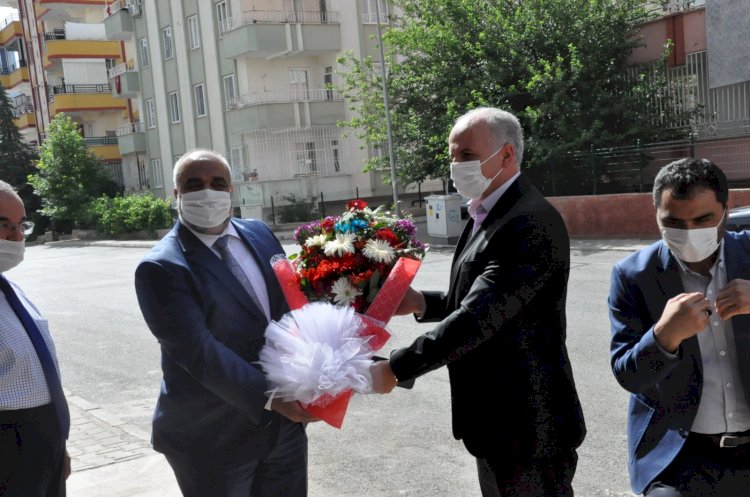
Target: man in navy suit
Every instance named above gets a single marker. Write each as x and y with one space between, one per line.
681 343
207 292
501 326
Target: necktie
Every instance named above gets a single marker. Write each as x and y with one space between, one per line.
222 245
43 353
481 215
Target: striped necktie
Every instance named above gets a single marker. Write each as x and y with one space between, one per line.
222 245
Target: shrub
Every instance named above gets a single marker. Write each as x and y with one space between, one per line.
298 209
131 213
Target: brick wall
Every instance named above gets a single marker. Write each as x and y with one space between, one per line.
626 215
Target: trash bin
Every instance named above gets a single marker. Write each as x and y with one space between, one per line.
444 223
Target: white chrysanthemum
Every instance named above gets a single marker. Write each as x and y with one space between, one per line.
315 241
343 292
379 251
342 244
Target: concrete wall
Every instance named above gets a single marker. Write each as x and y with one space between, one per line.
626 215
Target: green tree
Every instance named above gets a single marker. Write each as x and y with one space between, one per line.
69 174
559 65
16 157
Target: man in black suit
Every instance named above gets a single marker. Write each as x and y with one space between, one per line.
501 327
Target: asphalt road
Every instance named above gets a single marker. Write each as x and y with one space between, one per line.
394 445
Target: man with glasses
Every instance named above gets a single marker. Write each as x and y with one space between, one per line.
34 417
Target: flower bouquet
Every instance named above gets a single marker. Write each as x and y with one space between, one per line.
343 286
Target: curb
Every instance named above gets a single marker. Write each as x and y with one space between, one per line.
106 417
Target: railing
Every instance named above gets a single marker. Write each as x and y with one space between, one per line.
121 69
20 110
13 67
672 6
129 129
271 97
100 140
132 6
278 17
57 34
62 89
13 17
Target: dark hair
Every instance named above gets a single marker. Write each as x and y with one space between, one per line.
682 177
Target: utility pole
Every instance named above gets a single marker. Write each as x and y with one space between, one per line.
383 73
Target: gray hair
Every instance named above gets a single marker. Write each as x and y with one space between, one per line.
505 127
6 189
199 155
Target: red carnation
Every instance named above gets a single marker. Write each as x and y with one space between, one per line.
389 236
357 204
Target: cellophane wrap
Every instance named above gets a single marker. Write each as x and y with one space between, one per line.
320 353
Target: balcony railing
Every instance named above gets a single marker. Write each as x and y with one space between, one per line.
100 140
121 69
132 6
672 6
21 105
13 17
12 68
129 129
272 97
57 34
278 17
62 89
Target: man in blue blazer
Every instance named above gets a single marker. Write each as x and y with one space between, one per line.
501 327
207 292
681 343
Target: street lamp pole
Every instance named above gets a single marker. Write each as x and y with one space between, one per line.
383 73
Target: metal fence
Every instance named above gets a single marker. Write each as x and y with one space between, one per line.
628 169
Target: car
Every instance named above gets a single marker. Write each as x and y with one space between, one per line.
738 219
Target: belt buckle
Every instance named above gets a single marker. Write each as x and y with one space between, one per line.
730 441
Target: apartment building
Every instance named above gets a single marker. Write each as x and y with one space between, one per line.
247 78
708 73
54 58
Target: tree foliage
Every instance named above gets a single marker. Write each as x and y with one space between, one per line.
69 174
559 65
16 157
129 214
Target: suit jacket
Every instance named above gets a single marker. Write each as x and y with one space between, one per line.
665 391
210 332
501 333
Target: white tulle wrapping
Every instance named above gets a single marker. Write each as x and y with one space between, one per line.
316 350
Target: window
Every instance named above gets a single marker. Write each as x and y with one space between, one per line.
222 16
143 42
150 113
174 107
328 82
298 84
369 12
194 32
235 163
306 158
166 35
142 176
336 160
230 91
200 100
156 173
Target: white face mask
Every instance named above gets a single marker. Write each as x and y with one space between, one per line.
205 208
468 178
11 254
694 245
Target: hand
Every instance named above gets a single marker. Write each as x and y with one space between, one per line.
684 316
733 299
411 303
383 379
67 466
293 410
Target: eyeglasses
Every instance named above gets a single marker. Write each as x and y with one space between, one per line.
25 227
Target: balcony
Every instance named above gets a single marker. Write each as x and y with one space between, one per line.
118 19
25 120
104 147
49 10
271 34
131 138
10 29
82 98
124 80
14 74
666 7
55 46
286 109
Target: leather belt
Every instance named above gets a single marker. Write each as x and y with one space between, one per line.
725 440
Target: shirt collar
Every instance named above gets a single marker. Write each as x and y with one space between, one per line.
209 240
489 202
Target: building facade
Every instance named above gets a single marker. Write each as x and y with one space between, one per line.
250 79
54 57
